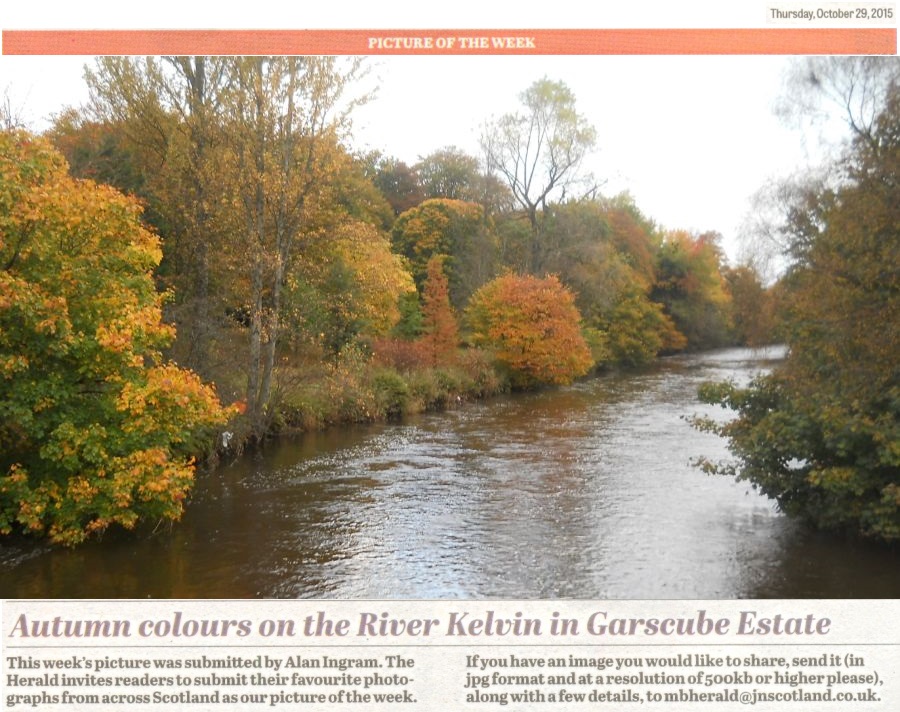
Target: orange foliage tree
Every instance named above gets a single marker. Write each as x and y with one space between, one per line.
95 428
532 326
441 331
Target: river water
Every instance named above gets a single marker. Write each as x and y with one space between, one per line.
583 492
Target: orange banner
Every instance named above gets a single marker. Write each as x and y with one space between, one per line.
783 41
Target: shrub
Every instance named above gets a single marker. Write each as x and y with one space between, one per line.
399 354
391 393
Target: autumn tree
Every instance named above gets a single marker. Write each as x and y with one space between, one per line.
691 287
635 236
452 228
820 96
578 247
604 254
539 151
532 327
381 276
253 177
353 288
96 429
753 307
398 182
441 333
356 195
820 434
284 118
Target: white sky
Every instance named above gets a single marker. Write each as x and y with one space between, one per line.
691 138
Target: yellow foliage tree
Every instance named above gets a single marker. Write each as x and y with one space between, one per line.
381 277
95 428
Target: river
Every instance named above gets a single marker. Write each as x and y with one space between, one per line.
580 492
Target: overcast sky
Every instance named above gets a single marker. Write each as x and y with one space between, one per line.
691 138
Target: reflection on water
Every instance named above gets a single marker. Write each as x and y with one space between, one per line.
585 492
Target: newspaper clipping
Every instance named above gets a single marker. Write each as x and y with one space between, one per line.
444 362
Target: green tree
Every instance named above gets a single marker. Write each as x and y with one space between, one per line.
454 174
452 228
99 150
820 435
450 173
637 330
539 152
95 428
532 327
578 246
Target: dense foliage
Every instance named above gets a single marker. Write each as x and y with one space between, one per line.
821 434
457 231
691 286
310 284
95 427
532 328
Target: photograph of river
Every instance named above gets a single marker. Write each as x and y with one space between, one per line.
583 492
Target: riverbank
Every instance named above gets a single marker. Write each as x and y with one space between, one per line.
356 388
584 491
